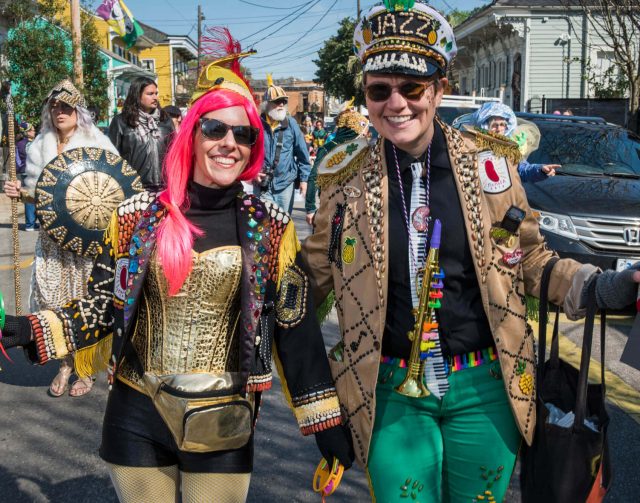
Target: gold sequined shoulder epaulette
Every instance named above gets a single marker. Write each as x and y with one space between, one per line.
498 144
342 162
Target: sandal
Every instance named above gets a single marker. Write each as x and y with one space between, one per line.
60 383
81 387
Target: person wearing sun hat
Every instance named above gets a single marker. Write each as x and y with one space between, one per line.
381 207
286 156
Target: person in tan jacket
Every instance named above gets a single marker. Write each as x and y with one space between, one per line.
381 209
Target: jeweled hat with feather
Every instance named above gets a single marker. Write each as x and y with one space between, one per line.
222 70
404 37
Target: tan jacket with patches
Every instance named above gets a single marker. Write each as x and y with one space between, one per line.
361 285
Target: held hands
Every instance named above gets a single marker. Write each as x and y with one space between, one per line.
615 290
550 169
12 189
336 443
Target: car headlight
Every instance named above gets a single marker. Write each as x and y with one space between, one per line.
558 224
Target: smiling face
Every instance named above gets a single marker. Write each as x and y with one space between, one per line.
219 163
406 123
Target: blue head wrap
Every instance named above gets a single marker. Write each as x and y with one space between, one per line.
482 116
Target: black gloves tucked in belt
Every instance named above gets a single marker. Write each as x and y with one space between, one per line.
614 290
16 332
336 443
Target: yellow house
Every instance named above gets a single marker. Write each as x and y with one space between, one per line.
123 65
169 59
157 55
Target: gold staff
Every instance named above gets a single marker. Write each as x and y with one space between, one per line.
14 202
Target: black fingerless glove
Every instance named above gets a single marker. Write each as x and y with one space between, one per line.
336 443
16 332
614 290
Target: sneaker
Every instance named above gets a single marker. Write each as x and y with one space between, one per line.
30 229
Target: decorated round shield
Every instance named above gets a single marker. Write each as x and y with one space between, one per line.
76 194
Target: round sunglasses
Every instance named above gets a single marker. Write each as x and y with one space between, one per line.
412 91
214 129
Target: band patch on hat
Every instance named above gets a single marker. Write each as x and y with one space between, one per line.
494 173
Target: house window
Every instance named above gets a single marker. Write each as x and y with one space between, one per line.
605 60
149 64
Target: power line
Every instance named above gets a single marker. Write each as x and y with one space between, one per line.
277 22
269 6
303 35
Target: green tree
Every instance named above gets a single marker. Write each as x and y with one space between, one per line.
39 54
337 70
38 58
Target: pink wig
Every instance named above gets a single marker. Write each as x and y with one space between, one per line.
175 232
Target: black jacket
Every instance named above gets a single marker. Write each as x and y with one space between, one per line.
145 157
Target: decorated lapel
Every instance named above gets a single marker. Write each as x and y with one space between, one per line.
464 164
141 246
374 178
254 228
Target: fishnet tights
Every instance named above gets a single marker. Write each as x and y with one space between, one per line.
161 484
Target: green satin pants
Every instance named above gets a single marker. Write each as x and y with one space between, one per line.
458 449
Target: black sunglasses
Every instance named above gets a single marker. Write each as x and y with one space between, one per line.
281 101
412 91
217 130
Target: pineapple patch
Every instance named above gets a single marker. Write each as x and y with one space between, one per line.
525 383
349 250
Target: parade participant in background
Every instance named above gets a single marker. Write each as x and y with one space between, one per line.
385 213
286 158
176 116
27 135
59 275
350 124
500 119
142 131
212 276
307 130
319 135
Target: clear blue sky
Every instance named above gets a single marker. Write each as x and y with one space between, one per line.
285 52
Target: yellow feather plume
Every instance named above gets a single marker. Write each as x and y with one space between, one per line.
269 79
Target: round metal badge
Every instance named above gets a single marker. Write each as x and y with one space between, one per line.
77 193
420 218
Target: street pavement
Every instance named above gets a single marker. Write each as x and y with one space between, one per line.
48 446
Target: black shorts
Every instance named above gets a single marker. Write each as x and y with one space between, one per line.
134 434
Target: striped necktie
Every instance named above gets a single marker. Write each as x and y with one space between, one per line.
435 369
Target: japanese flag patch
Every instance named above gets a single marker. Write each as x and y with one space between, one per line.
494 173
120 283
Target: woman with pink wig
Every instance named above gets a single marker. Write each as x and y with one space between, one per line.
193 288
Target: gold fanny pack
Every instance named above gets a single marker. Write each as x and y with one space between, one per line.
204 412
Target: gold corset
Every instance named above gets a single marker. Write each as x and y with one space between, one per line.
194 330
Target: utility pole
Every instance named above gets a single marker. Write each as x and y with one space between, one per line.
76 39
358 13
200 19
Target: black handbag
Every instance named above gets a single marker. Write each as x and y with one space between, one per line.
567 464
